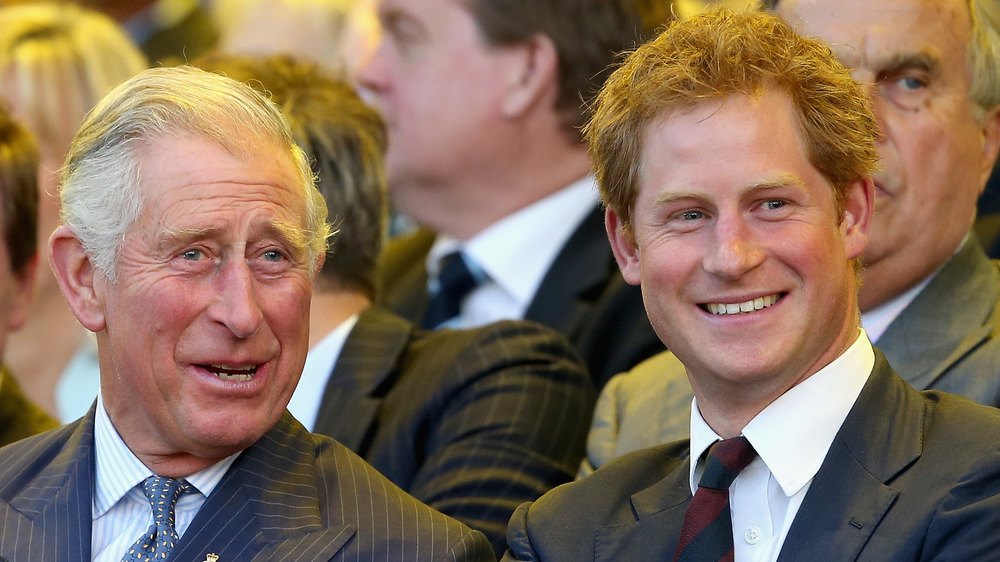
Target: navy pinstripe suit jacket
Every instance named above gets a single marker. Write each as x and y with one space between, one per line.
472 422
290 496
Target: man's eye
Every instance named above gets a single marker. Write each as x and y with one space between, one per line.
273 255
911 83
691 215
192 255
774 204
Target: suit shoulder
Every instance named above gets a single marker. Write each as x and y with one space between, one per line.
501 346
405 252
604 496
383 512
25 460
952 413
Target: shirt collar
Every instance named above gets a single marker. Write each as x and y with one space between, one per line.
793 452
320 361
118 470
877 320
517 251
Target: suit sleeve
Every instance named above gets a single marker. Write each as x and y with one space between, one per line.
966 522
472 547
512 427
518 543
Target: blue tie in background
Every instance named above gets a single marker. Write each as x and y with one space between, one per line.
455 282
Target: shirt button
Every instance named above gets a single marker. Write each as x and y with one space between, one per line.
752 535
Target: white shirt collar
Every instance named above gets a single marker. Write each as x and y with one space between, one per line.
793 434
320 361
517 251
877 320
117 470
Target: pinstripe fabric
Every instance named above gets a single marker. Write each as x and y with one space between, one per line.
472 422
291 496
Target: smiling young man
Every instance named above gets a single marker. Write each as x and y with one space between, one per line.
930 297
191 239
735 158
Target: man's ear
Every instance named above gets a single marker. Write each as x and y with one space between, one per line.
76 276
859 207
533 73
991 143
24 294
624 247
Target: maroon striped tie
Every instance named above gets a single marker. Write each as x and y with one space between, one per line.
707 533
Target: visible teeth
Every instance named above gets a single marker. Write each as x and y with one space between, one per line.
232 372
758 303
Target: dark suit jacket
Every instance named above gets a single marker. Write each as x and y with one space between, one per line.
19 418
948 338
290 496
583 296
472 422
910 476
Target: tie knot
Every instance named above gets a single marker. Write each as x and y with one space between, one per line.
726 459
163 493
455 281
455 277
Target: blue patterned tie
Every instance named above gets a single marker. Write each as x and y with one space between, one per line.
159 540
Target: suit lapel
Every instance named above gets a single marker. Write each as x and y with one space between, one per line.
946 320
850 494
576 279
53 512
403 275
659 511
353 395
267 506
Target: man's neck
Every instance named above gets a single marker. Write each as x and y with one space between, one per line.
468 206
330 308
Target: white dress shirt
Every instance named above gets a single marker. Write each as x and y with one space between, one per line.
515 253
121 512
320 361
792 436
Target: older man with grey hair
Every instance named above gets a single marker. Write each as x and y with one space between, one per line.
930 298
192 235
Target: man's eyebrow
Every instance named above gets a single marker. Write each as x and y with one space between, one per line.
170 234
294 235
782 181
911 61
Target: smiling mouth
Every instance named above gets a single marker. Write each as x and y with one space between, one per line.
725 309
232 372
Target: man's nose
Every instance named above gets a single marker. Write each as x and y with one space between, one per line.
371 74
236 305
735 250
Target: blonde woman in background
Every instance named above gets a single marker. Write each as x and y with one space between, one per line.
337 34
56 62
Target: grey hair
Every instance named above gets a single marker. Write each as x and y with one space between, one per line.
983 56
100 186
984 53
